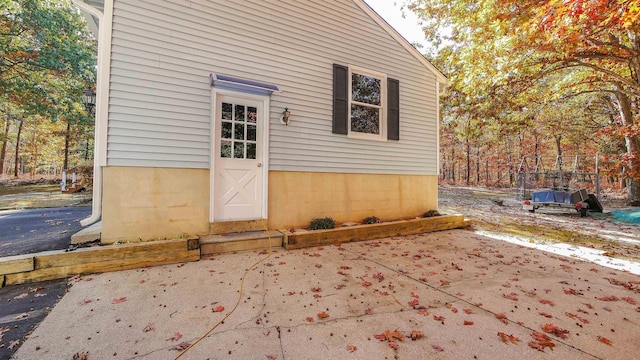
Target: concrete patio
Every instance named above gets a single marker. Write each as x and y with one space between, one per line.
459 294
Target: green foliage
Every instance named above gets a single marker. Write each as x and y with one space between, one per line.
371 220
431 213
322 223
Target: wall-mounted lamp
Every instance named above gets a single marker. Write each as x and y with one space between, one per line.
285 116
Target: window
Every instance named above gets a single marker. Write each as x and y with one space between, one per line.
365 104
238 131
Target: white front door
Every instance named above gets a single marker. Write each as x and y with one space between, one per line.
238 153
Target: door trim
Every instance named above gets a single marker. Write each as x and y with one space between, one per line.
215 93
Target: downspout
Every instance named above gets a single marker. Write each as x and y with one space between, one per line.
102 101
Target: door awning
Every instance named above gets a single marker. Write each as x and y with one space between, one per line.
242 85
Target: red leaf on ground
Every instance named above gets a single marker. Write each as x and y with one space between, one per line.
219 308
437 348
468 322
316 289
604 340
309 319
368 311
512 296
423 312
323 315
545 314
508 338
629 300
380 337
183 345
414 303
540 341
415 335
552 329
393 345
547 302
468 311
366 283
345 267
414 295
608 298
119 300
351 348
502 317
177 336
438 318
149 327
85 302
378 276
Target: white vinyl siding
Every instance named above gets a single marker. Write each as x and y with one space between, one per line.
163 53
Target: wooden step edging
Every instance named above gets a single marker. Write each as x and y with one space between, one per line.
60 264
302 239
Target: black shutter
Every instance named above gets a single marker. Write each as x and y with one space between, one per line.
393 109
340 99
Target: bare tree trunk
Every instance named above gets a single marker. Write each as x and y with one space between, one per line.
468 175
633 150
5 140
478 165
15 168
66 146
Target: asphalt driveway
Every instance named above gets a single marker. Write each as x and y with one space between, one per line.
35 230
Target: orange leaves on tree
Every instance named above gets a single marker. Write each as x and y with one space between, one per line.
508 338
604 340
323 315
119 300
552 329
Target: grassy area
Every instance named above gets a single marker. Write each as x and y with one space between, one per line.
25 189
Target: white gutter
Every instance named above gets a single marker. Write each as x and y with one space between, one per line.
102 101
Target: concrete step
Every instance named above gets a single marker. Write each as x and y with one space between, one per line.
250 240
88 234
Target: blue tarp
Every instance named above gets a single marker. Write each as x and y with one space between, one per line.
629 215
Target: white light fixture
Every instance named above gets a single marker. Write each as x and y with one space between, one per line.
284 119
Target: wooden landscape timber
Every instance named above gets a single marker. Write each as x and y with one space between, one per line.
60 264
302 239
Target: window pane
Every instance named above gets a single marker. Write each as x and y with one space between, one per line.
227 110
238 150
225 149
365 119
239 132
252 116
251 151
226 130
365 89
240 113
251 132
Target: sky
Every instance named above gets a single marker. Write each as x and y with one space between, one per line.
408 26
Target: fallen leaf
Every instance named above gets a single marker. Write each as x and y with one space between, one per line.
219 308
368 311
183 345
85 302
393 345
502 317
414 303
21 296
547 302
468 311
81 356
366 283
309 319
119 300
438 318
351 348
149 327
508 338
323 315
540 341
604 340
177 336
545 314
437 348
608 298
378 276
468 322
415 335
552 329
14 344
316 289
629 300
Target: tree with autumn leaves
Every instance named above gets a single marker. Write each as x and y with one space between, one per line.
533 77
47 59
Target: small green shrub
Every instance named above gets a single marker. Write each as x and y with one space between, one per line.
431 213
322 223
371 220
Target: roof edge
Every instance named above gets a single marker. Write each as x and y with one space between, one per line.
404 42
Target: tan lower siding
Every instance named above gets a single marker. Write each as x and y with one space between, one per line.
154 203
297 197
